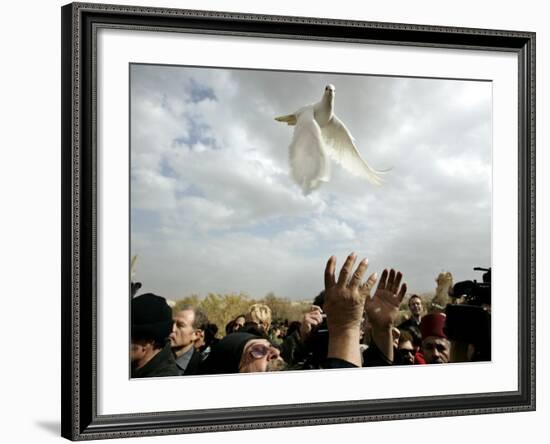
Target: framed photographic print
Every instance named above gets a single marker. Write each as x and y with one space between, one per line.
225 178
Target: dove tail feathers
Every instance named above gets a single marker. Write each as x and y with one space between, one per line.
289 119
309 186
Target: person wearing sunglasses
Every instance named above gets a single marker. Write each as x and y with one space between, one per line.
242 352
406 350
345 300
259 355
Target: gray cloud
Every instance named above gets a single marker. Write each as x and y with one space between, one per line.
214 209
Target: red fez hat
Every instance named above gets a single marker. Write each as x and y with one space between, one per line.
432 325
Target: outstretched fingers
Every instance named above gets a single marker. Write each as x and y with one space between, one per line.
345 272
383 279
369 283
402 292
392 282
396 282
367 286
330 269
358 275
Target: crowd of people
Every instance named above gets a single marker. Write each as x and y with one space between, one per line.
351 323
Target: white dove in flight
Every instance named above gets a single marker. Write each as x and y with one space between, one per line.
318 135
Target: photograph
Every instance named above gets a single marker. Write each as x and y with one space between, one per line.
295 220
277 221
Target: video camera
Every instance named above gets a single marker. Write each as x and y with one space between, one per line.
475 293
470 321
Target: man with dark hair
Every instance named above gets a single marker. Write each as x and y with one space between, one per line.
412 324
210 339
150 353
188 330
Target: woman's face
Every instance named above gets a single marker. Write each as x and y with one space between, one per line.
260 356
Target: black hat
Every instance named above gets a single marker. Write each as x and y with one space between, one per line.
151 318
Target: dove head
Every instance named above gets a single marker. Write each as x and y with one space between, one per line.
330 90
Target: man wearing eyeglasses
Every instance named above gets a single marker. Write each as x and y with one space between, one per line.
436 347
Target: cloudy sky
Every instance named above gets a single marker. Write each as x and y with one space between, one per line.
213 208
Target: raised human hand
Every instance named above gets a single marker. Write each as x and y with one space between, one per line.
344 304
344 301
383 308
310 321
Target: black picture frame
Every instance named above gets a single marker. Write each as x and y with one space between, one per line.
80 22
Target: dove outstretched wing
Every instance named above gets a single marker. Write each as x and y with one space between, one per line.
340 146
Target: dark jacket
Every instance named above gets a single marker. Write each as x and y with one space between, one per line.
194 364
162 364
337 363
293 351
373 357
